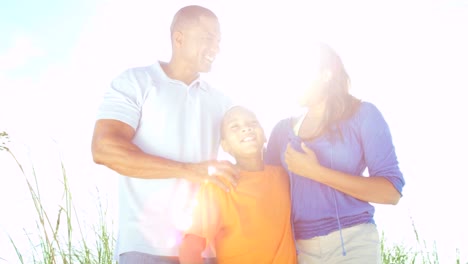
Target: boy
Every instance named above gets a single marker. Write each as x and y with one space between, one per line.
250 224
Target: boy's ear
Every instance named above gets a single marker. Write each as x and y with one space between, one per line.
225 146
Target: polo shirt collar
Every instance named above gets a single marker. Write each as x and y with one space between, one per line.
197 83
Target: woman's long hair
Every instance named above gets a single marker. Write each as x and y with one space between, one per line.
340 104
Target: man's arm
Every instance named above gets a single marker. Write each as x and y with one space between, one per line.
191 249
112 146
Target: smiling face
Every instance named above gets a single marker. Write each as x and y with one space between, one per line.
314 77
198 43
316 91
242 135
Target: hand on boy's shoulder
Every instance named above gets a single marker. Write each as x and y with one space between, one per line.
249 183
212 187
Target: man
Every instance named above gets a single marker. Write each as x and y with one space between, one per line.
158 127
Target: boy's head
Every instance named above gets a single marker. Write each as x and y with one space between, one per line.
242 136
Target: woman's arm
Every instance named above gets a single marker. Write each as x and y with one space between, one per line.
373 189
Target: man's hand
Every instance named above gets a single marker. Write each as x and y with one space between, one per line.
213 171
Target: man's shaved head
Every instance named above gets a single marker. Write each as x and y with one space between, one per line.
190 15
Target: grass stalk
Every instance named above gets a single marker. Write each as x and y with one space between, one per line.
54 248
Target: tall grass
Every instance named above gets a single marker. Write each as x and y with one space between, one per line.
56 248
55 236
403 254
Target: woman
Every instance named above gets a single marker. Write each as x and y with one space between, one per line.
326 151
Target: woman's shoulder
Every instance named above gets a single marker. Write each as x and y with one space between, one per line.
366 107
283 124
368 116
366 111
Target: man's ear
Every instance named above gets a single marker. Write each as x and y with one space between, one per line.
177 38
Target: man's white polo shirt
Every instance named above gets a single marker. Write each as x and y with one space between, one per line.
174 121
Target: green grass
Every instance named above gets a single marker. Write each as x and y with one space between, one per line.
57 242
54 241
421 253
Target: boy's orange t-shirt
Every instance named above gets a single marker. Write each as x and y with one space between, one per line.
250 224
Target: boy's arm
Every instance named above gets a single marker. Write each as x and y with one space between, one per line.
205 224
191 249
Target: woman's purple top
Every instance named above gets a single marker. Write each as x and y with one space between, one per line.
366 142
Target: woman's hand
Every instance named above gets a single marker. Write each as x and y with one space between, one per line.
302 163
369 189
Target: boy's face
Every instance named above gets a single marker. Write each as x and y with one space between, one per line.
242 134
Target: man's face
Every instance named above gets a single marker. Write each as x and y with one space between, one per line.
200 44
243 136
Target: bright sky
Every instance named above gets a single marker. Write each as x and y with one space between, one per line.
407 57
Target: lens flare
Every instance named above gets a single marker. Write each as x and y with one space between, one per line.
211 170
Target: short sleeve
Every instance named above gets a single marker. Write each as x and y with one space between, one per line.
206 213
122 100
379 151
